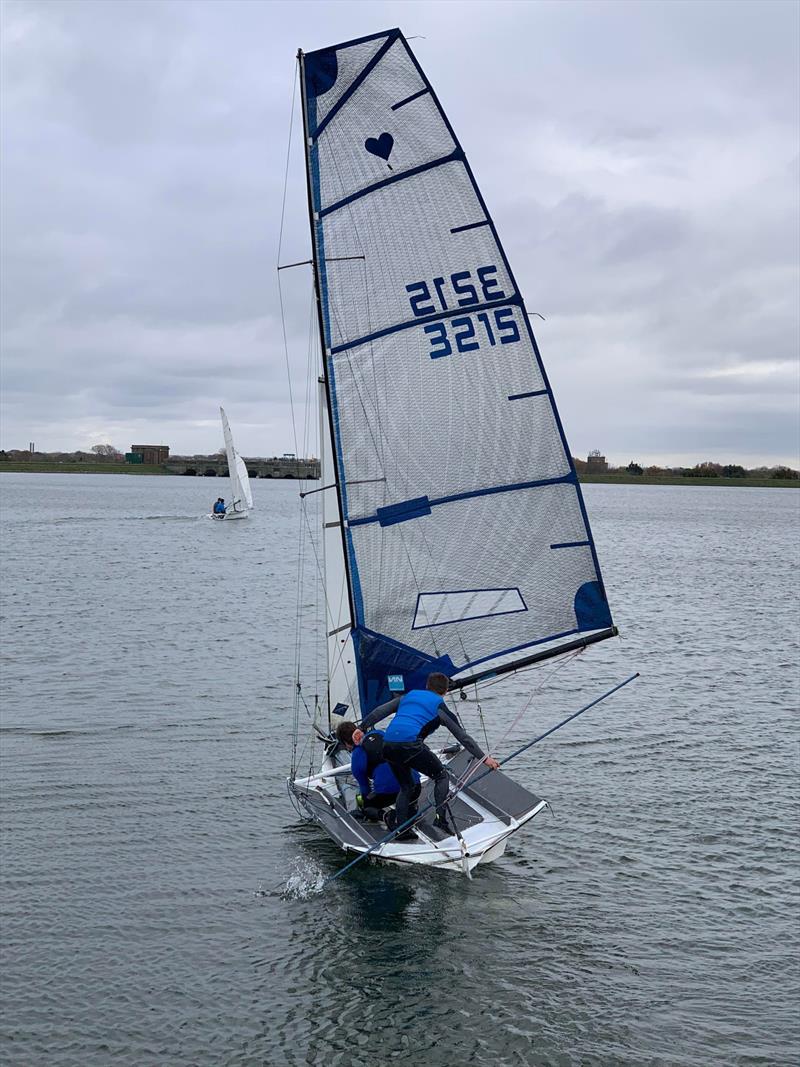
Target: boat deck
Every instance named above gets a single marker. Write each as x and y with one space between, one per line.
502 801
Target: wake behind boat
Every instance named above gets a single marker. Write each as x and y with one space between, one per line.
241 499
453 531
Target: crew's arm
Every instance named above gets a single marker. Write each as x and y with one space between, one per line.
446 718
379 713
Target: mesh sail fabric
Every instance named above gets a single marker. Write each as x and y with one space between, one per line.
465 531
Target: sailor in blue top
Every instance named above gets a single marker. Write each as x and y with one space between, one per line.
376 781
418 714
219 506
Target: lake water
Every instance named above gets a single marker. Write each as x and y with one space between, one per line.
146 830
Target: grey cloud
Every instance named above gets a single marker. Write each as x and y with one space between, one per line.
640 160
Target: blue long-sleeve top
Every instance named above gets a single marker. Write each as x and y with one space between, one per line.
440 715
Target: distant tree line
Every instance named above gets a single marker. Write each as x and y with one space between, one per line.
707 469
106 453
96 454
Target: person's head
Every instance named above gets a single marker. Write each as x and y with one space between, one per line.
438 683
348 734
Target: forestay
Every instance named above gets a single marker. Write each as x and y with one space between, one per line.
466 537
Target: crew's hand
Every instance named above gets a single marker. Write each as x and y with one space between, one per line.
359 801
490 761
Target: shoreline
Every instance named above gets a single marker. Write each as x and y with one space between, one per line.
592 479
642 479
81 468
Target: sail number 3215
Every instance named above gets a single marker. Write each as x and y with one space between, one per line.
460 291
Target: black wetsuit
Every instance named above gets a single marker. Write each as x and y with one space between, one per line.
417 715
377 782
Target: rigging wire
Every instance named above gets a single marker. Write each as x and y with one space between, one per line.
301 532
298 635
288 154
481 719
278 260
471 770
329 612
311 428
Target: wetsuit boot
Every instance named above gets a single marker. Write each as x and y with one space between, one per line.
390 819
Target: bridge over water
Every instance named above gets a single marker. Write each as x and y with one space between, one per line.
217 467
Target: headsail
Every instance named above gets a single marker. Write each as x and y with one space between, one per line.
466 538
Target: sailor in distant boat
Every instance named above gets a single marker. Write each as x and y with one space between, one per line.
417 715
219 506
376 781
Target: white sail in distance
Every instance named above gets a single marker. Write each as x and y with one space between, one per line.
242 497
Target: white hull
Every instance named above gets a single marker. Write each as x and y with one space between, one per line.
325 797
230 515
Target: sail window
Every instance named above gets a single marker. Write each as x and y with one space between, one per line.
439 609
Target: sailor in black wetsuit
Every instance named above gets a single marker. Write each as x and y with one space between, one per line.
377 784
418 714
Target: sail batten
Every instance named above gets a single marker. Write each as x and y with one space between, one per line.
451 157
464 531
415 508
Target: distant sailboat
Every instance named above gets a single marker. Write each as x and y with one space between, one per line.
241 499
454 534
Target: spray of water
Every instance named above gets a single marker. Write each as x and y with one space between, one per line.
305 879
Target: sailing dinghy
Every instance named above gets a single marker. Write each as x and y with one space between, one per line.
454 534
241 500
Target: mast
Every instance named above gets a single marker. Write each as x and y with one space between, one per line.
327 437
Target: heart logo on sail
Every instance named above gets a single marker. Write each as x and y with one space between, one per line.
380 146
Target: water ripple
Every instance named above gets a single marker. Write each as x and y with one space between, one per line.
161 900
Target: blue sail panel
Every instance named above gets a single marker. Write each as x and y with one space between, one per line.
466 532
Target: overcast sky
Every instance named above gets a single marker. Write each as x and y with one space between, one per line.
640 161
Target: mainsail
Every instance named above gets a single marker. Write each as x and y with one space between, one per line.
465 536
237 471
